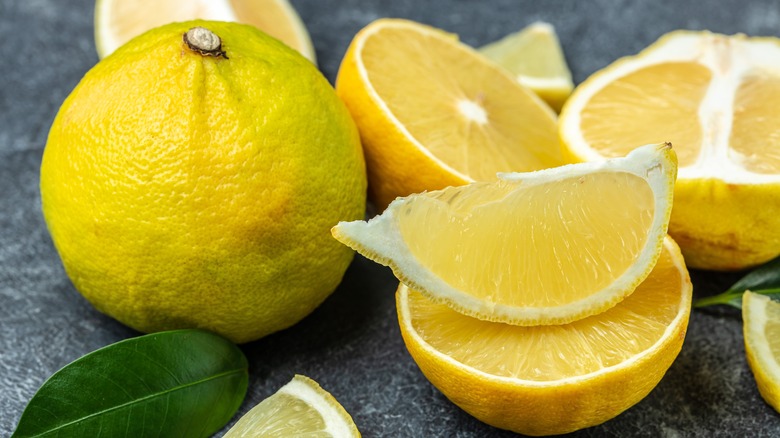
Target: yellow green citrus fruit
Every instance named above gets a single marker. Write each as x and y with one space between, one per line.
192 177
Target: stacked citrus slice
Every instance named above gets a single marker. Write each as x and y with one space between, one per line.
712 96
116 22
534 55
542 302
433 112
299 408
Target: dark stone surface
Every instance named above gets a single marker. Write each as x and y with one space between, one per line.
351 344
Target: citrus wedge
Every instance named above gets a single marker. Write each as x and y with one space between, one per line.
535 57
712 96
299 408
761 327
545 247
547 380
433 113
117 21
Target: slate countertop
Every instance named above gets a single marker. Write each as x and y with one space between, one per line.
351 345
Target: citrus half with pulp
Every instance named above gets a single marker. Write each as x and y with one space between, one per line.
713 97
191 180
433 112
553 379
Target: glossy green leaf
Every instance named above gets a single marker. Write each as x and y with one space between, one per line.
182 383
764 280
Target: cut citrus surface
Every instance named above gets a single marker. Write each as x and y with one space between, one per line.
547 380
761 327
534 55
116 21
545 247
299 408
433 113
712 97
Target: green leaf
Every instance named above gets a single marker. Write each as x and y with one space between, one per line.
763 280
182 383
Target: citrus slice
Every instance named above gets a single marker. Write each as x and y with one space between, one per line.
117 21
545 247
534 55
299 408
761 326
547 380
433 112
712 96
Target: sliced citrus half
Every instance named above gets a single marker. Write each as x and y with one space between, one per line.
546 380
117 21
713 97
433 112
761 327
299 408
545 247
535 57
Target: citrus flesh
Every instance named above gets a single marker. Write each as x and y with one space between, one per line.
545 247
761 327
299 408
535 57
710 95
116 21
546 380
432 112
184 190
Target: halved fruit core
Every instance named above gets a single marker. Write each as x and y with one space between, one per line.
555 352
468 113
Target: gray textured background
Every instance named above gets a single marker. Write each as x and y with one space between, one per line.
351 344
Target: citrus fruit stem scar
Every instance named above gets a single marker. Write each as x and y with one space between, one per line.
203 41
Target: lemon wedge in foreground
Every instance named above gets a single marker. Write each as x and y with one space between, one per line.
534 55
548 380
118 21
761 327
714 97
545 247
299 408
434 113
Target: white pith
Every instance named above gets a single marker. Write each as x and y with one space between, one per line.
728 58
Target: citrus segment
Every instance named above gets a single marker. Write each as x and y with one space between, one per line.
535 57
545 380
711 96
546 247
116 21
761 327
299 408
433 113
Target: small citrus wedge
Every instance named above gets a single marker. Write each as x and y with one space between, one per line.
299 408
548 380
712 96
117 21
545 247
761 327
433 112
534 55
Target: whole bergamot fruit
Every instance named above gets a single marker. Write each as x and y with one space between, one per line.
192 177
